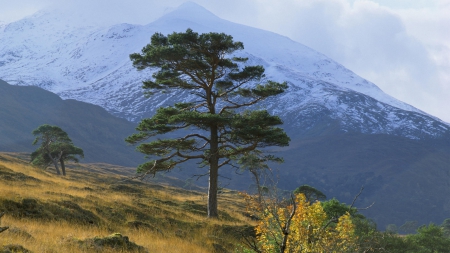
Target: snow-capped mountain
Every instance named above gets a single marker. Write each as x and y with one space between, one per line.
91 64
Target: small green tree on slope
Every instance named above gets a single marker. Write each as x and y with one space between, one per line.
218 134
55 147
311 193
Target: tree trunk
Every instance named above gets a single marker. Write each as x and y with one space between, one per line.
213 174
63 167
55 163
255 174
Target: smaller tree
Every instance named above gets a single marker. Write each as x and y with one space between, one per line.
409 227
446 227
392 228
335 209
429 239
300 226
56 147
311 193
256 163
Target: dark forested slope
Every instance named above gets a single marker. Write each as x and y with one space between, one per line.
98 133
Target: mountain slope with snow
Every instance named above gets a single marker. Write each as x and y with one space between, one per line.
345 131
91 64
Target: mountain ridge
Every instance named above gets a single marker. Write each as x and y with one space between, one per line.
98 133
93 66
345 131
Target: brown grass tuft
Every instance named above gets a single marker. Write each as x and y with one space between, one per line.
50 213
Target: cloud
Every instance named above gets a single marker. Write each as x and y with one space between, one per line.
100 11
403 51
14 10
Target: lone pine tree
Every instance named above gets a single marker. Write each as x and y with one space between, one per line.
217 129
55 147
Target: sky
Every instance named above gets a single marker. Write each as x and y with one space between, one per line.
403 46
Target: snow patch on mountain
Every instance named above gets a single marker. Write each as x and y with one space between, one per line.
91 64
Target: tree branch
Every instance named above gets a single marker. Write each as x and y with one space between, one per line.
356 197
365 208
189 157
201 175
287 226
236 105
241 150
235 87
224 163
195 135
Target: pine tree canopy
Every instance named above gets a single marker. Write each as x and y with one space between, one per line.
215 128
55 147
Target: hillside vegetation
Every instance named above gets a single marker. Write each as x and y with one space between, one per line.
408 176
92 128
94 210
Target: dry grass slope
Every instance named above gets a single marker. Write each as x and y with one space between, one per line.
77 213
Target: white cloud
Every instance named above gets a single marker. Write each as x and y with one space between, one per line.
404 50
14 10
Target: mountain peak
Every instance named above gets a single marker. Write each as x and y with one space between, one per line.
92 64
191 11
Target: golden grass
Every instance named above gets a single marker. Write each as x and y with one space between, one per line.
58 237
174 218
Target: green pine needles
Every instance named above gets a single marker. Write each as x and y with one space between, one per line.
215 129
55 147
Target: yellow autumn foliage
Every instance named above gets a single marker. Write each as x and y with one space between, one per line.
308 229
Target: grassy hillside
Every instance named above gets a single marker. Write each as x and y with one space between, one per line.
49 213
407 179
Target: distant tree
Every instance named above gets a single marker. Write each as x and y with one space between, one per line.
256 163
392 228
409 227
218 132
429 239
311 193
446 227
55 147
333 208
392 243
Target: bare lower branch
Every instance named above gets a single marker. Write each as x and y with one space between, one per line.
225 178
356 197
224 163
140 176
201 175
365 208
